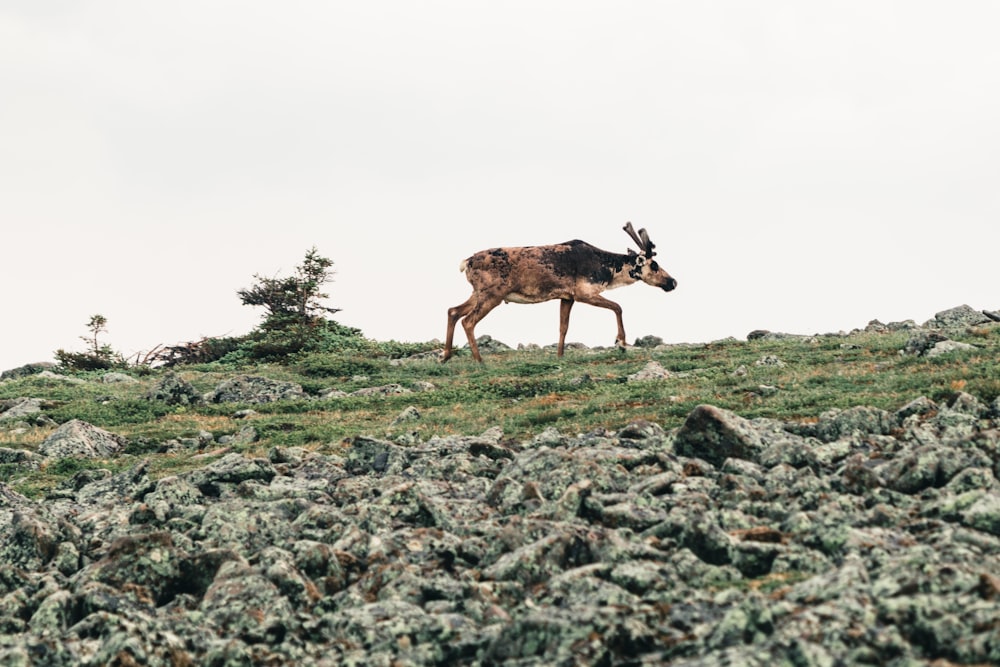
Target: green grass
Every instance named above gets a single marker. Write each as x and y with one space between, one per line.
524 392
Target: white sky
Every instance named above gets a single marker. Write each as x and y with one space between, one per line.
802 167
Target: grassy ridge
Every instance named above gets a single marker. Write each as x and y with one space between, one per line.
523 392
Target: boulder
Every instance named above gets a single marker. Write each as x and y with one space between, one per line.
960 316
714 434
651 371
172 389
19 407
27 369
870 537
947 347
77 438
648 341
252 389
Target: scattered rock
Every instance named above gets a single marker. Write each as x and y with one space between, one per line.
714 434
960 316
764 334
19 407
251 389
488 345
922 341
384 390
118 378
49 375
409 414
948 346
648 341
174 390
651 371
77 438
27 369
867 537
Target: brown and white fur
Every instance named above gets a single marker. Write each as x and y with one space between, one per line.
572 271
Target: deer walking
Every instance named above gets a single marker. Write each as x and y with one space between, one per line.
572 271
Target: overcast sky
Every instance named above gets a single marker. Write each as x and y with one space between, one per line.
802 166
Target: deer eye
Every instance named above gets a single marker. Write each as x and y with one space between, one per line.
653 266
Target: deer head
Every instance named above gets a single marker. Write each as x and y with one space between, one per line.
646 269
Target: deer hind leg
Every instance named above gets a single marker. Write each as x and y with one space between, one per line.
565 305
601 302
479 309
454 314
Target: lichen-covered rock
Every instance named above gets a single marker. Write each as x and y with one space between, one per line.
383 390
231 469
648 341
714 434
923 340
837 424
172 389
253 389
26 370
245 604
19 407
959 316
870 537
947 347
651 371
80 439
118 378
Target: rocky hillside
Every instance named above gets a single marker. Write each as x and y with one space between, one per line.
863 535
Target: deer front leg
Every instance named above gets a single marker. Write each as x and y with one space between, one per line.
565 305
601 302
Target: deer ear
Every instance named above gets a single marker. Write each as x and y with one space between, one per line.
640 260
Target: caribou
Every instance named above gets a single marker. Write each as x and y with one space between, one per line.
571 271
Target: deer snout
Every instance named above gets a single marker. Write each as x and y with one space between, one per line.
669 285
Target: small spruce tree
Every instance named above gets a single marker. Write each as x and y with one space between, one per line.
295 318
98 356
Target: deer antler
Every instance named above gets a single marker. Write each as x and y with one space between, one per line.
641 239
646 243
631 232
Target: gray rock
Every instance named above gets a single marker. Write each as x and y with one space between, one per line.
836 424
984 514
714 434
174 390
960 316
489 345
57 377
26 370
409 414
252 389
118 378
968 404
232 469
20 458
77 438
947 347
648 341
384 390
651 371
764 334
870 537
922 341
20 407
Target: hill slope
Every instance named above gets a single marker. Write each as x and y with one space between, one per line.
796 500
